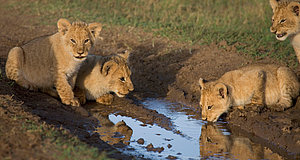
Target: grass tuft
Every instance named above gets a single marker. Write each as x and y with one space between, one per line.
64 145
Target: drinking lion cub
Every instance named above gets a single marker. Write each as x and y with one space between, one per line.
53 61
99 76
270 85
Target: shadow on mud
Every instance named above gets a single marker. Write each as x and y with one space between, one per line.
153 70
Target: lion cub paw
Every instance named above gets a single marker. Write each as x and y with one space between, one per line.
82 99
278 108
73 102
106 99
28 86
80 95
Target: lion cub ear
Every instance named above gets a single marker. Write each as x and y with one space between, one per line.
95 29
274 4
201 83
221 90
125 54
294 6
63 25
108 67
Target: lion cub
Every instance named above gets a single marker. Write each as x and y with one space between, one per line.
270 85
53 61
99 76
286 22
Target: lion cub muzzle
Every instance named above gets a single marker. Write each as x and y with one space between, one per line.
80 53
129 87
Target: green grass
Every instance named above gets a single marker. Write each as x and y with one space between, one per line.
243 23
62 144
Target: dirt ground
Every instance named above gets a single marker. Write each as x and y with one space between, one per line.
161 68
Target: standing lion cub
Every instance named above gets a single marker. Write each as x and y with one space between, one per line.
270 85
286 22
53 61
99 76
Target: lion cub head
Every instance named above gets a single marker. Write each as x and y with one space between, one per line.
117 72
285 19
214 100
78 37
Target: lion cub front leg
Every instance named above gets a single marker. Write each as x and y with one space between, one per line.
65 91
106 99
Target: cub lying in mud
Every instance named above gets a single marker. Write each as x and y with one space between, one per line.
53 61
286 22
270 85
99 76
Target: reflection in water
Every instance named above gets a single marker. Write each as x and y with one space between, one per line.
213 143
113 133
214 140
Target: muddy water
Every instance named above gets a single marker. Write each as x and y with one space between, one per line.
190 139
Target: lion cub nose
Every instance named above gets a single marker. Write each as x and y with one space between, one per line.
80 52
273 30
131 89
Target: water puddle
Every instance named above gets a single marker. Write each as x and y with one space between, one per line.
190 139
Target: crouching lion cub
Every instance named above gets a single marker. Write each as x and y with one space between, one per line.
270 85
99 76
53 61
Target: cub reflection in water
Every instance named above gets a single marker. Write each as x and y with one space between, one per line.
113 133
213 143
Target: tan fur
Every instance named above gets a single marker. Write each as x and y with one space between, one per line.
271 85
101 75
286 22
53 61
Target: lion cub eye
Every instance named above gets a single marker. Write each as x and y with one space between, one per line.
122 79
86 41
282 21
208 140
73 41
209 107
